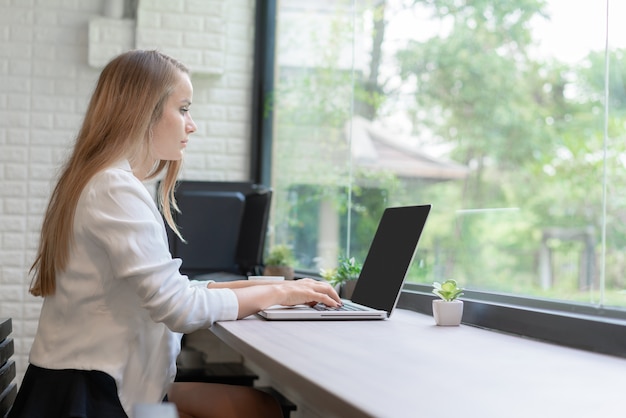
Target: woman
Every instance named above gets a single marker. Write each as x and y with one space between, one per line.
115 304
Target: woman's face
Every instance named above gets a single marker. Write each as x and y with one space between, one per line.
171 133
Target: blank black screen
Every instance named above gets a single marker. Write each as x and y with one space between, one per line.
251 243
390 256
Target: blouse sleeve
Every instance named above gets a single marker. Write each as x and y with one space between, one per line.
120 216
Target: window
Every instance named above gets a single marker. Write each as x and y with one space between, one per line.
507 116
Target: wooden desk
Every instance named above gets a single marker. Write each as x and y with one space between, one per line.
408 367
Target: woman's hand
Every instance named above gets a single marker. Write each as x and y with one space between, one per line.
258 295
310 292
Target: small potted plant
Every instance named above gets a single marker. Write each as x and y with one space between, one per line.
279 262
344 276
447 310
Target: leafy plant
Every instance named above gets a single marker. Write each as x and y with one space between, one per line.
280 255
448 290
347 269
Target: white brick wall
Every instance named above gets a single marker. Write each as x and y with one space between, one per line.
45 83
194 30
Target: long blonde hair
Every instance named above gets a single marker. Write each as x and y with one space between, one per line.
128 100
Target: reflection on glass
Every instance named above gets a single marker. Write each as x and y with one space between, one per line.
493 111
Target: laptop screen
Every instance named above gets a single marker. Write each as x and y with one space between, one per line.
390 256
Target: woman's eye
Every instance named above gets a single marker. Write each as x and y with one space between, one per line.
184 109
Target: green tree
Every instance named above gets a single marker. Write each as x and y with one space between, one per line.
477 87
473 87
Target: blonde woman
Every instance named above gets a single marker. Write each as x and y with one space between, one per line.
115 305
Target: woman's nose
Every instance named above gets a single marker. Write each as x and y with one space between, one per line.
191 126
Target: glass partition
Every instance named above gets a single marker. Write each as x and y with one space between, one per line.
507 116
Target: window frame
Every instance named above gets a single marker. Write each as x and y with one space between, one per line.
261 129
574 325
597 329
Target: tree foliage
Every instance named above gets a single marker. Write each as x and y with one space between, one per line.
531 128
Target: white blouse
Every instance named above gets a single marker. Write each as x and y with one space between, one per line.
121 305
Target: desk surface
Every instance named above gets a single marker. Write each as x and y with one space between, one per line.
408 367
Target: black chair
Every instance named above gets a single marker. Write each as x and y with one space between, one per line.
8 388
224 225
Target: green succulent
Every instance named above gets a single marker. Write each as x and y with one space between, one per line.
280 255
347 269
448 290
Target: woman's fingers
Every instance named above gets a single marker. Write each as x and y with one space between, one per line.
309 291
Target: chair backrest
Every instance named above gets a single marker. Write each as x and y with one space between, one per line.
8 388
224 225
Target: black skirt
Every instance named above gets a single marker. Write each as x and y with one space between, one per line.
67 394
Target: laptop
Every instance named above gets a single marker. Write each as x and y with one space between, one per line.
379 285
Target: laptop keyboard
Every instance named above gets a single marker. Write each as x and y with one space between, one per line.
322 307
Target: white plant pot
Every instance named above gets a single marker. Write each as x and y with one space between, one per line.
447 313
